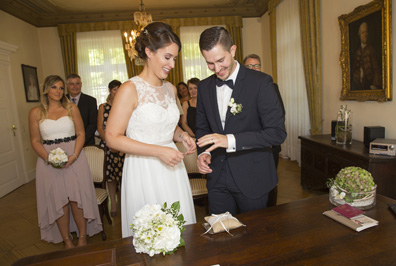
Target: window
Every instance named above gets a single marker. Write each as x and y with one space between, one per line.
100 59
194 65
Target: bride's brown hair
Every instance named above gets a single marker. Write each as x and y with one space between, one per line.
155 36
44 103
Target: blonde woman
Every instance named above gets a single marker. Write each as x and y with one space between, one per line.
57 123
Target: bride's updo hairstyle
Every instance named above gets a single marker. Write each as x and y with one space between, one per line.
155 36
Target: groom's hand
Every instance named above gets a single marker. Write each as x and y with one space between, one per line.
216 140
203 162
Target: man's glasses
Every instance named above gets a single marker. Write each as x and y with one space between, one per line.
256 66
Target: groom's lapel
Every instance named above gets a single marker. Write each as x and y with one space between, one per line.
237 90
213 101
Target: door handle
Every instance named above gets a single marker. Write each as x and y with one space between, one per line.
14 129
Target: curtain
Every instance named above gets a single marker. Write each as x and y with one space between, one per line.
291 76
233 24
69 53
194 65
100 60
310 40
272 16
236 35
67 35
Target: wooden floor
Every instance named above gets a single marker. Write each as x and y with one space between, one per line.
20 234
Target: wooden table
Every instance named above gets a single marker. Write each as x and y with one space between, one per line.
322 158
296 233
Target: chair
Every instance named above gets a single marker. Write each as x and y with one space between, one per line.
96 157
197 180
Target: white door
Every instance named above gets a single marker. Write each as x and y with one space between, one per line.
12 173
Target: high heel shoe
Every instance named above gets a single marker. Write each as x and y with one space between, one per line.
82 241
68 242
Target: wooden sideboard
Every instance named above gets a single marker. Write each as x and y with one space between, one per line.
322 158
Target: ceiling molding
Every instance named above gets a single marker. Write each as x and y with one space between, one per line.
45 13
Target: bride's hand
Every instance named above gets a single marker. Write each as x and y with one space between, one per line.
171 156
189 144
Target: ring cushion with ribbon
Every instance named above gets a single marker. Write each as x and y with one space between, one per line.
223 222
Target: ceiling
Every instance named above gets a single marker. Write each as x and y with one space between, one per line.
48 13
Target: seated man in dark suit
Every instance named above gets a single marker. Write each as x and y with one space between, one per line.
253 61
86 104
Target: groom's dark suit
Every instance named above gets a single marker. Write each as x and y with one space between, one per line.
259 126
89 114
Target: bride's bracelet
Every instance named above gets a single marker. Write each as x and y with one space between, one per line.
181 135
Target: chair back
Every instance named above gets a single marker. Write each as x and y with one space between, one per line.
190 161
197 180
96 160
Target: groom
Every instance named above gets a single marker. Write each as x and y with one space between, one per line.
233 143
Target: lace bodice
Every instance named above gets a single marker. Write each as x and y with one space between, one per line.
57 129
155 118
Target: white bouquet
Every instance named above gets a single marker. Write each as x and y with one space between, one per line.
158 229
57 158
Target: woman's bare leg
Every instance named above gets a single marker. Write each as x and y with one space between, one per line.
63 225
81 222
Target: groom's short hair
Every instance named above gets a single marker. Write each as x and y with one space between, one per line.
213 36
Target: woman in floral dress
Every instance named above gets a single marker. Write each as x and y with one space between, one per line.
114 159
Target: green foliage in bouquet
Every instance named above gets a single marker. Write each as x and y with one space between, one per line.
174 211
352 181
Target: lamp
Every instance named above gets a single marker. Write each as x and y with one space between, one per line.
142 19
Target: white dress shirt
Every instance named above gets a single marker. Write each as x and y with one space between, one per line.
223 98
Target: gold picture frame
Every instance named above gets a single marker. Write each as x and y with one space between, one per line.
366 52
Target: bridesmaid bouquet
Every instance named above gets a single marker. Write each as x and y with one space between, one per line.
158 229
57 158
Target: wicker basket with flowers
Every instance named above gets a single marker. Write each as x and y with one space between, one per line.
353 185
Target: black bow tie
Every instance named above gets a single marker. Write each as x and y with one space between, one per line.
220 83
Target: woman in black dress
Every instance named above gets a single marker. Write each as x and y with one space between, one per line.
114 159
190 108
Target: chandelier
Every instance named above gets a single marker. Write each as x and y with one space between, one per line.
142 19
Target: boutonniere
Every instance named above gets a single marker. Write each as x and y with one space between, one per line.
236 108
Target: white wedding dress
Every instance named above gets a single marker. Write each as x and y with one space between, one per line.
146 179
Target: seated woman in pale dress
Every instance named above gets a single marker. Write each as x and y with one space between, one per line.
145 107
57 123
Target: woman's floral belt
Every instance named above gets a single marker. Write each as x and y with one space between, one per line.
57 141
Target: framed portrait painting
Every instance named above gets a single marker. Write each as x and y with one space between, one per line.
30 81
366 52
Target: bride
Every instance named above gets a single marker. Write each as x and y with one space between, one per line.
145 108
